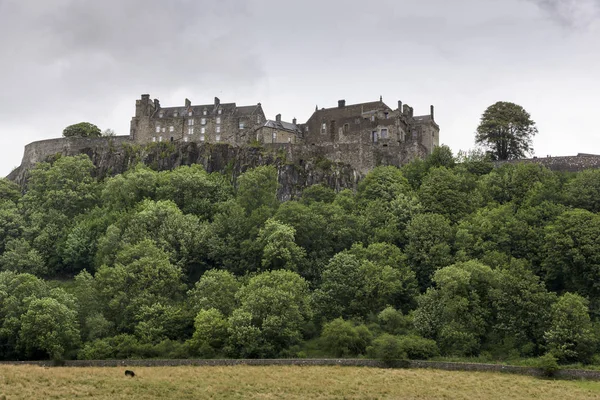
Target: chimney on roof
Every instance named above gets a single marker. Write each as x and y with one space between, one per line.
145 97
217 101
400 105
412 112
294 121
406 110
431 110
341 103
316 107
380 98
156 104
278 118
188 103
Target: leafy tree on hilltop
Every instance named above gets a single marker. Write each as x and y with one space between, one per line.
506 130
82 129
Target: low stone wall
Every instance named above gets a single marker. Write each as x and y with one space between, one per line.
441 365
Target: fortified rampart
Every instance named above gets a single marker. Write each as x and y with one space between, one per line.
576 163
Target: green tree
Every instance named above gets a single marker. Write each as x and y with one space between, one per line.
49 327
82 129
274 307
318 193
571 337
457 313
583 191
279 248
572 255
382 183
19 256
506 130
447 192
194 190
124 191
257 188
430 239
216 289
210 332
342 339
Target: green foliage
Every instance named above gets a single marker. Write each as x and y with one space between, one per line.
506 130
382 183
279 249
387 348
258 188
343 339
583 191
82 129
211 332
215 290
548 364
570 337
447 192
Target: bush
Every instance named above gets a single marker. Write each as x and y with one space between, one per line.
418 348
387 348
393 321
342 339
82 129
548 364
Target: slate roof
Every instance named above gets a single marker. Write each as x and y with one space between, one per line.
211 109
282 125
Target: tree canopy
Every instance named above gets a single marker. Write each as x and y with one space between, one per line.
82 129
506 131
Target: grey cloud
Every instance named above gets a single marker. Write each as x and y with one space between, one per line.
577 14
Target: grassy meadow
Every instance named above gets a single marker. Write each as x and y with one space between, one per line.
279 382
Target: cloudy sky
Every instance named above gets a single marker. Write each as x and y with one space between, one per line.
66 61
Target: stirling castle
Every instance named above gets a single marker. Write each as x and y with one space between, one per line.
362 135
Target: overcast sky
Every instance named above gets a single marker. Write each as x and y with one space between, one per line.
66 61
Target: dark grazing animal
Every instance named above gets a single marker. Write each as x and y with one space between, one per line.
129 373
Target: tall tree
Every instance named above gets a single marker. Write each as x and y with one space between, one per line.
506 130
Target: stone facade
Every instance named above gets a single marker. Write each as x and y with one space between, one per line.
210 123
363 135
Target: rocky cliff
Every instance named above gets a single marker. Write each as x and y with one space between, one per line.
115 155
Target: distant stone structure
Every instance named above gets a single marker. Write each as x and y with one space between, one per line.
363 135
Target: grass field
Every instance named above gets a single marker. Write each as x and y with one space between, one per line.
279 382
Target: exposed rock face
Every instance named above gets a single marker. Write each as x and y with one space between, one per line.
116 155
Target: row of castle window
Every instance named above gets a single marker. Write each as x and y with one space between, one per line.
185 139
190 113
191 123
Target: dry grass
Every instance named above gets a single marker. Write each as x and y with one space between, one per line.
281 382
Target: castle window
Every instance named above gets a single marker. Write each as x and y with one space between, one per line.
203 130
190 122
202 138
154 138
384 133
372 118
190 113
324 127
204 112
220 111
190 131
218 120
374 136
157 129
241 125
175 114
386 115
160 138
290 139
258 119
185 139
171 129
218 129
274 136
163 130
218 137
346 128
203 121
160 115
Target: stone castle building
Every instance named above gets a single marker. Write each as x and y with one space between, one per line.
363 135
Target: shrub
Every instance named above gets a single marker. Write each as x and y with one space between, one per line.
418 348
548 364
341 338
387 348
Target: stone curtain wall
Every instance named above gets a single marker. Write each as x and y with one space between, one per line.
563 164
446 366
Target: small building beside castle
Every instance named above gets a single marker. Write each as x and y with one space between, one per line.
363 135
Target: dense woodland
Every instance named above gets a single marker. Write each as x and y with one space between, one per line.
443 257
